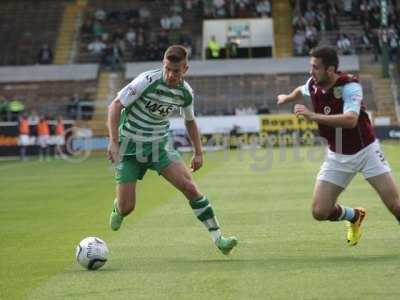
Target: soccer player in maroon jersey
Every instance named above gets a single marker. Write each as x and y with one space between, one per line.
339 111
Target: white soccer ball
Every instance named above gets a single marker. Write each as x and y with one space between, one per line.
92 253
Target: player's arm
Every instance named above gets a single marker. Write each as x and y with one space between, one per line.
295 95
344 120
129 94
352 97
114 114
194 136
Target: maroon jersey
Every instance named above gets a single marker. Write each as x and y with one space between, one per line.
330 102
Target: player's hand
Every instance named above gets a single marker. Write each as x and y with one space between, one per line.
113 152
197 162
281 99
302 110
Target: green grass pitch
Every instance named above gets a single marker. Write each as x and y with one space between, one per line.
163 252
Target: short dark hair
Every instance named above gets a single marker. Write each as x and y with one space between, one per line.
176 53
328 56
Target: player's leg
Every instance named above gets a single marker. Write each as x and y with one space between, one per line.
124 204
387 190
325 207
179 176
128 171
337 172
378 173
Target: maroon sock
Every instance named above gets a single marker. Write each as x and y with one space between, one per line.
336 213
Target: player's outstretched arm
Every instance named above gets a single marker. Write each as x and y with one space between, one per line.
344 120
295 95
114 114
194 135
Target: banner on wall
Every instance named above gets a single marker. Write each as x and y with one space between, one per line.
239 131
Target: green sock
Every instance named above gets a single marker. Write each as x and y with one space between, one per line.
204 212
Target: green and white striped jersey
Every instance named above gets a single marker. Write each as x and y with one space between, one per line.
148 103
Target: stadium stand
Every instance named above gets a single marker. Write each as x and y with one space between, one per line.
51 88
25 26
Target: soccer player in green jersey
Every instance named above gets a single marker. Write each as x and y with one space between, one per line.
138 123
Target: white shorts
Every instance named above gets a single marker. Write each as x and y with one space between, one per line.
60 140
340 169
43 140
23 140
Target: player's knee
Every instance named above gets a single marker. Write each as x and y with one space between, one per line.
319 214
189 189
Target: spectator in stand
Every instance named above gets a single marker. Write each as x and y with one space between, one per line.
393 41
299 40
16 107
86 30
242 10
144 13
365 40
130 37
165 23
73 107
98 29
219 9
231 48
375 19
176 21
310 14
100 15
208 9
263 8
97 48
344 44
320 18
348 7
113 57
230 8
311 35
364 11
213 48
45 55
299 22
177 7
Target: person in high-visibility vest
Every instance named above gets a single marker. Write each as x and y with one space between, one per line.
60 137
213 47
23 128
43 132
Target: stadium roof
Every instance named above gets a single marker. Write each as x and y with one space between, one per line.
48 73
